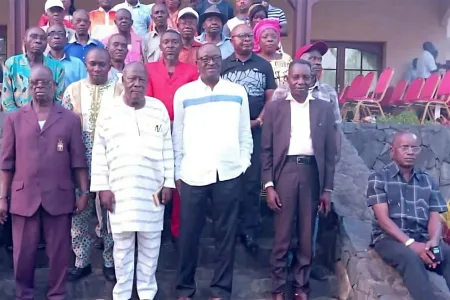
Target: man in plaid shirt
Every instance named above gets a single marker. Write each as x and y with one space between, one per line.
407 203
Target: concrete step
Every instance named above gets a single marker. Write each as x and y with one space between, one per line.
247 285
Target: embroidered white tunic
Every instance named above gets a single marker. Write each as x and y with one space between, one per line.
133 157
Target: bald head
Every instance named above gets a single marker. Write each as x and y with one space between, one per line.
241 28
401 136
80 13
98 64
209 63
42 85
134 67
208 48
405 148
242 39
41 72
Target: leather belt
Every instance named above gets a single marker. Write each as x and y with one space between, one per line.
301 159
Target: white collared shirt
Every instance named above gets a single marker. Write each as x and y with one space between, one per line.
300 142
211 132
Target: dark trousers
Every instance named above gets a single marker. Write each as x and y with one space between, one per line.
225 197
298 189
412 268
26 237
250 210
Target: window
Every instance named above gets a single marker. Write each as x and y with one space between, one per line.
3 33
345 60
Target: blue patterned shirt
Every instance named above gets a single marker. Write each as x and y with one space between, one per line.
140 15
409 203
16 83
74 69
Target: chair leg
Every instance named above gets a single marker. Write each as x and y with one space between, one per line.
422 121
381 109
356 112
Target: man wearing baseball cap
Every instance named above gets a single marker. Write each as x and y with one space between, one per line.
55 13
187 26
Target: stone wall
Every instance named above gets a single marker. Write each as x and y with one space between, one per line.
373 142
361 274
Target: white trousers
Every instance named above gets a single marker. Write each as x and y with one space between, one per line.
147 261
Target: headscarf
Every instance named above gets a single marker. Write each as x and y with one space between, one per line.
261 27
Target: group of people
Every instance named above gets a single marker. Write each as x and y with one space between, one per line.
119 111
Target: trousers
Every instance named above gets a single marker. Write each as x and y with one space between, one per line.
225 197
81 239
147 262
175 218
411 267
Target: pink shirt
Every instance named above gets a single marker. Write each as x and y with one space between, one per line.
134 49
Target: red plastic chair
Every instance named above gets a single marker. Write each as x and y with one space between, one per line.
364 87
398 92
429 89
413 91
343 94
354 87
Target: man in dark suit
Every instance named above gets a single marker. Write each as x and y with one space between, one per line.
42 151
298 161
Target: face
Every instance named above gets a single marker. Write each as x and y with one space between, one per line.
405 150
81 22
170 45
187 25
242 39
159 14
315 58
135 82
42 85
104 3
213 25
132 2
299 79
67 4
269 41
118 48
57 38
36 41
260 15
174 4
243 5
209 62
98 65
56 15
123 21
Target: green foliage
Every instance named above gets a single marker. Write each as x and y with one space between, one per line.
406 117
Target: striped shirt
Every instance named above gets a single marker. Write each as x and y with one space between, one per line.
133 157
277 13
211 132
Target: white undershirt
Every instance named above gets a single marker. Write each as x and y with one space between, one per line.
300 142
41 124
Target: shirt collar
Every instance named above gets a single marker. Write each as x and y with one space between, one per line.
394 170
206 87
73 39
308 98
202 38
65 57
138 4
232 57
23 60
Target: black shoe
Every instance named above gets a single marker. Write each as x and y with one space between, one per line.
98 244
78 273
249 243
109 273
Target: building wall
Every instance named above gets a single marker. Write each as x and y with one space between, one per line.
403 25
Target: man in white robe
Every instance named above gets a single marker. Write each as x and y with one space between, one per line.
132 163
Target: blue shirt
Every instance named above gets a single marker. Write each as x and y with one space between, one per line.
75 49
74 69
140 15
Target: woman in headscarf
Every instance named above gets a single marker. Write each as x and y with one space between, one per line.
267 40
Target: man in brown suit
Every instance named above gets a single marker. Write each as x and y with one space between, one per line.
298 161
42 151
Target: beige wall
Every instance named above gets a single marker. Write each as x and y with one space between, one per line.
403 25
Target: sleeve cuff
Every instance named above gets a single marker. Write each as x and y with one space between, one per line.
268 184
169 184
327 190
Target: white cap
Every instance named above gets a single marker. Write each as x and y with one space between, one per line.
187 11
53 3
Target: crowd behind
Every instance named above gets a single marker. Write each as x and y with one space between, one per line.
141 105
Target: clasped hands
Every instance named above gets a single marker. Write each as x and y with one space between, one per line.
423 251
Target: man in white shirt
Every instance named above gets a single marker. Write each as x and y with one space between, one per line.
242 7
298 160
427 63
212 145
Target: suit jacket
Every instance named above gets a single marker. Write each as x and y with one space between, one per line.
276 134
42 160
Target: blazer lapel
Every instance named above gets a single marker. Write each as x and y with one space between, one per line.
54 115
285 126
314 117
30 116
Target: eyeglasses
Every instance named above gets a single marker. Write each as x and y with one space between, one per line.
206 59
36 83
243 36
414 149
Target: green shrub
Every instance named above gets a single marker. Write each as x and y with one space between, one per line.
406 117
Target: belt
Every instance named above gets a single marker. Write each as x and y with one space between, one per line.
301 159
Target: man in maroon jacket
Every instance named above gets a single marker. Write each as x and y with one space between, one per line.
42 151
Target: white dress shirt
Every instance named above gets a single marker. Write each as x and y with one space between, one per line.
211 132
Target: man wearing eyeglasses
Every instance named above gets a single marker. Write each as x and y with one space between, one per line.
256 74
212 145
407 229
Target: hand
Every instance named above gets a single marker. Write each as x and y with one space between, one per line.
3 211
82 203
107 200
166 195
255 124
423 253
273 201
325 203
178 185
